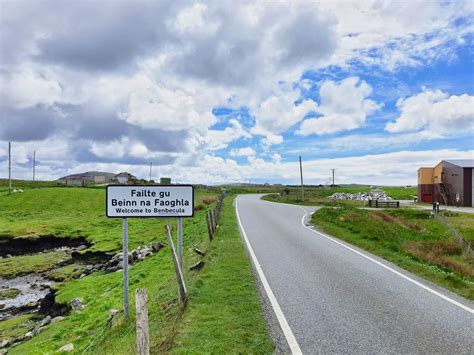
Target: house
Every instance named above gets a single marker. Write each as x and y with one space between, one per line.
88 178
450 182
124 177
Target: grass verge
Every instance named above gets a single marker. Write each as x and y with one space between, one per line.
224 305
406 237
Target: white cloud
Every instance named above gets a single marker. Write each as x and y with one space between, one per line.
344 106
242 152
157 106
278 113
215 139
26 88
435 113
114 149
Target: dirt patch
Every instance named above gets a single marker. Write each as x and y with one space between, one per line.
36 244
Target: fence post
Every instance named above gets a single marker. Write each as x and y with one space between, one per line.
141 306
179 274
376 203
213 226
209 231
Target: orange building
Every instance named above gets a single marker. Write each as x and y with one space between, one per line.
451 182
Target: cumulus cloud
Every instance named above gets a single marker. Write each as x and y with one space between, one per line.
434 112
344 106
220 139
242 152
278 113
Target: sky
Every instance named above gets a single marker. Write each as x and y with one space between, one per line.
235 91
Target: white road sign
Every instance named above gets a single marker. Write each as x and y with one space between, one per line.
131 201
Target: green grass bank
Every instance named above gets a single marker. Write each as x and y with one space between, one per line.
409 238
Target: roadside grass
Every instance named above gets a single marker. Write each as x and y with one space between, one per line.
410 238
236 316
463 222
25 264
224 301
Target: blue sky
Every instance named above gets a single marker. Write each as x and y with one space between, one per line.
235 92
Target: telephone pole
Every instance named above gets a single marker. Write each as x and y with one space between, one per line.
150 169
9 168
301 176
333 177
34 164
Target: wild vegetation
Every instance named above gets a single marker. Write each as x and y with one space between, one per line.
408 237
224 289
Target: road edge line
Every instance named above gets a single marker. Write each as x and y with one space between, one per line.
288 333
429 289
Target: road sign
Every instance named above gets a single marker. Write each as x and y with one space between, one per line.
133 201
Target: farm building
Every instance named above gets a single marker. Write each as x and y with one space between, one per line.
87 178
124 178
450 182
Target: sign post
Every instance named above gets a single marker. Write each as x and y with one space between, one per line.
136 201
180 241
125 266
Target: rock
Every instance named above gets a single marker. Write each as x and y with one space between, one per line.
46 320
81 247
157 246
82 276
199 252
76 304
67 347
28 335
5 343
57 319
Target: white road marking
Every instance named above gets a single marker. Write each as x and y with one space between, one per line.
290 337
446 298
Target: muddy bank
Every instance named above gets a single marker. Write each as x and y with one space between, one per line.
37 244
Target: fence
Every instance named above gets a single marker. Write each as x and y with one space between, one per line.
384 204
213 216
454 231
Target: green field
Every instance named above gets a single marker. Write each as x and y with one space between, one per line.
73 212
407 237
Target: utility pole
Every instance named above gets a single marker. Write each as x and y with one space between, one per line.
333 177
9 168
150 169
34 164
301 176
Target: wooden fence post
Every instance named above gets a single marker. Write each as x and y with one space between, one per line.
213 225
141 306
183 294
209 231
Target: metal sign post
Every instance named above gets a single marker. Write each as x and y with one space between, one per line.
125 266
180 241
137 201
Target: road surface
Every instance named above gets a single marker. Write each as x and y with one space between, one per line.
330 297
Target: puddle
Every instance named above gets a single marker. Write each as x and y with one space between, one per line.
32 287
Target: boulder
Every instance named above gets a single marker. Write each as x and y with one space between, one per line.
76 304
67 347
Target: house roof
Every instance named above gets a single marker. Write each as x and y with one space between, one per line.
463 163
124 174
87 175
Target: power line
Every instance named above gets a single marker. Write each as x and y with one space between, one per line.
333 177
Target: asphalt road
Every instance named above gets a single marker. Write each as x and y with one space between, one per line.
336 298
